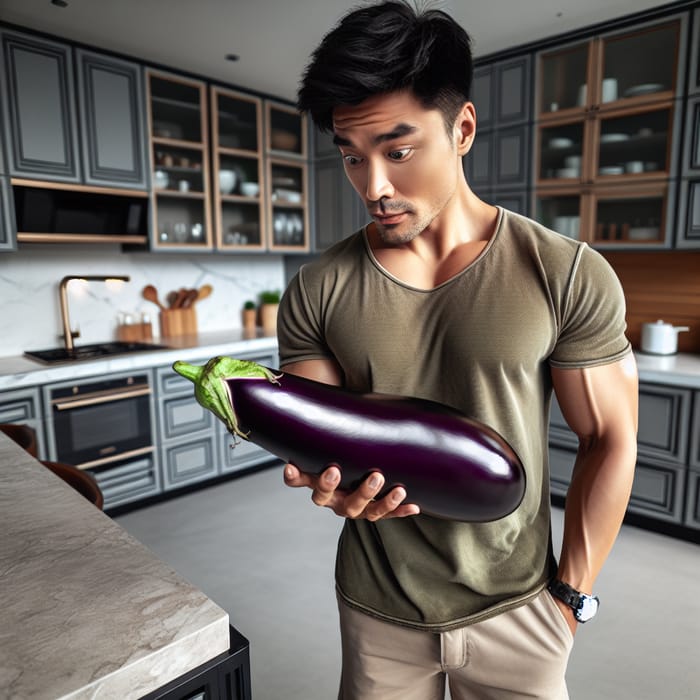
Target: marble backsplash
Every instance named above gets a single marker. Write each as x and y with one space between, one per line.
29 282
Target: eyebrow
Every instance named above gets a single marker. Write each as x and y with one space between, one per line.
397 132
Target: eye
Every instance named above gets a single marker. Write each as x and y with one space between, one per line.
400 154
352 160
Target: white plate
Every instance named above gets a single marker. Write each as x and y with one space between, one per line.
567 172
611 170
643 233
560 142
613 138
643 89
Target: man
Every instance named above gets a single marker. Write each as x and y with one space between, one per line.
448 298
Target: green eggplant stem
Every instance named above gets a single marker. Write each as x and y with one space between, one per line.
211 390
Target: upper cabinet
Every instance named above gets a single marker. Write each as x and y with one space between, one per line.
286 178
179 157
608 133
238 171
43 114
498 164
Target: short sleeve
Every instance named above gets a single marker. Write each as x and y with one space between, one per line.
592 330
299 331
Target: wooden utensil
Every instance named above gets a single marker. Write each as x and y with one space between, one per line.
150 293
203 292
190 298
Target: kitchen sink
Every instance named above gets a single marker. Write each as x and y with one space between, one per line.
91 352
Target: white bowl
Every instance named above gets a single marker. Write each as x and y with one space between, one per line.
227 181
250 189
160 179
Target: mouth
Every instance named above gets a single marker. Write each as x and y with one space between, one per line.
388 219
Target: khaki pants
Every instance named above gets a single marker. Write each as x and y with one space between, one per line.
521 653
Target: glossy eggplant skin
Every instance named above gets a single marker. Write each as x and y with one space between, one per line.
451 466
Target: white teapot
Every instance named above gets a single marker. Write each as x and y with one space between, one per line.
661 338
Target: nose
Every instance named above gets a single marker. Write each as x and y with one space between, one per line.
378 182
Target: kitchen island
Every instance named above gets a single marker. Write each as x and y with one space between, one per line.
89 612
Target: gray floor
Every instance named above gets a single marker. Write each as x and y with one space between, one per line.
265 554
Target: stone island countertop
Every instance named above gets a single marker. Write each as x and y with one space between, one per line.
87 611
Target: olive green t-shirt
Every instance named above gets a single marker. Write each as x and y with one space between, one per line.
482 342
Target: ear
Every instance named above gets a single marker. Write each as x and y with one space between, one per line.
465 128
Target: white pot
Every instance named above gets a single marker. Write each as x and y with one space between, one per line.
227 181
661 338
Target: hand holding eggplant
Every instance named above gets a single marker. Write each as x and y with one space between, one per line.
452 467
360 503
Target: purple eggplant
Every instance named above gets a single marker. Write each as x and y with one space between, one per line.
451 466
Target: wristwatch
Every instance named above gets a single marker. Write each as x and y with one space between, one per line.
584 606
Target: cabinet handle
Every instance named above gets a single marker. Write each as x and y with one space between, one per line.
99 397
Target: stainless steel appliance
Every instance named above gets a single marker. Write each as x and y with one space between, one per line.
90 352
95 423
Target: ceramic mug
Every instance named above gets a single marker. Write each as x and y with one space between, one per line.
609 93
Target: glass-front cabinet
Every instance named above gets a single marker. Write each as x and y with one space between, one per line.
180 203
237 148
607 129
287 179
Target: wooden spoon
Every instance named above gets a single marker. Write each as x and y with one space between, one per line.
203 292
150 293
190 298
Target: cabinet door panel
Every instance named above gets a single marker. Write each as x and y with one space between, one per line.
561 467
8 227
479 161
513 104
482 96
238 454
657 491
688 227
518 201
182 416
512 161
112 109
664 416
695 433
337 205
188 462
692 500
40 110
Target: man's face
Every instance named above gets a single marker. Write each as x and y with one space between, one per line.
400 159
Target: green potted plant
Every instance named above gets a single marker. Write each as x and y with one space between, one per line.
269 303
250 316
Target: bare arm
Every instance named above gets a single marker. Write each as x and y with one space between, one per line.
356 504
600 406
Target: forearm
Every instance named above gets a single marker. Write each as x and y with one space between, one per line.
595 506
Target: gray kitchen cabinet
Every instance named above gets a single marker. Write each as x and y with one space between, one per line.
694 63
659 488
688 224
186 431
692 500
338 209
499 161
23 407
8 228
129 482
39 108
44 113
112 118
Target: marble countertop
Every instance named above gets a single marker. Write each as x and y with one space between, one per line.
681 370
88 612
19 371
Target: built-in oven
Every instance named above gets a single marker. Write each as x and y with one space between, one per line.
100 422
107 426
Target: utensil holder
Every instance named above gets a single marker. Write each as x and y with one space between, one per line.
175 322
134 332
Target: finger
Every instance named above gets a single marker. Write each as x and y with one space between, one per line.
355 503
391 506
325 486
294 477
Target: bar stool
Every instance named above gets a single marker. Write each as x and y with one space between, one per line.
83 482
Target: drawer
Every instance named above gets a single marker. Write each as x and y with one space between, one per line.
20 406
664 422
657 490
127 482
182 416
692 500
188 461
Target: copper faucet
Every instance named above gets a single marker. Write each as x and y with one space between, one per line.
68 334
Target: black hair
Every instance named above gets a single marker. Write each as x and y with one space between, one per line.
387 47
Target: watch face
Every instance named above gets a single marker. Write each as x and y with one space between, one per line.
589 607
